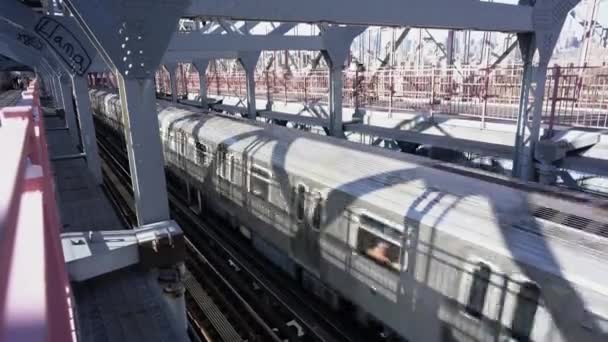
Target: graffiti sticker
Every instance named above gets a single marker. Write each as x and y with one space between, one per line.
29 40
65 44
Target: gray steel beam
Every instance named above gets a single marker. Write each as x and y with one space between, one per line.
456 144
55 89
534 80
91 254
335 100
456 14
137 98
87 128
596 166
194 42
60 39
172 69
249 60
337 41
229 26
201 65
186 56
282 29
299 119
65 87
230 52
132 36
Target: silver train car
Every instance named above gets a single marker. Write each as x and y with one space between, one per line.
432 251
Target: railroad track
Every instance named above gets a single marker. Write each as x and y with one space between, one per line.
214 308
248 291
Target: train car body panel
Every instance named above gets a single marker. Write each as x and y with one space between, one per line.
433 251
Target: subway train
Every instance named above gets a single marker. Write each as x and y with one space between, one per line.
427 250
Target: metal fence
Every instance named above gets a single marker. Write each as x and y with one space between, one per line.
574 96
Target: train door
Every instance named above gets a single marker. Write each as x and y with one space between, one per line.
223 172
309 216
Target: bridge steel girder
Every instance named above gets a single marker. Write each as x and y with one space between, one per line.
455 14
537 24
245 48
172 69
337 41
201 65
132 37
549 17
69 52
249 60
194 42
195 49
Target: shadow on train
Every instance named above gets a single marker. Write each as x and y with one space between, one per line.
413 292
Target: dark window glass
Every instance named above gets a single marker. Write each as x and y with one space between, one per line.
201 154
182 143
232 167
222 161
525 310
479 289
316 213
259 183
300 202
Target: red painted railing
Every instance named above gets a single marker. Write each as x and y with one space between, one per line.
35 294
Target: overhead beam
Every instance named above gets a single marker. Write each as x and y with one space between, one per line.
194 43
454 14
188 56
457 144
504 54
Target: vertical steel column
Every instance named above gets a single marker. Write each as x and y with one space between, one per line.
249 60
552 15
528 132
251 108
68 108
336 128
87 128
134 35
201 65
337 41
172 68
522 117
57 101
450 48
540 79
137 99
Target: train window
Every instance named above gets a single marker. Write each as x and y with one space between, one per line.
300 202
222 163
525 310
376 225
182 143
478 290
201 154
232 167
172 141
380 250
259 182
316 212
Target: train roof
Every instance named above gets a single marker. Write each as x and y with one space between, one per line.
556 230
